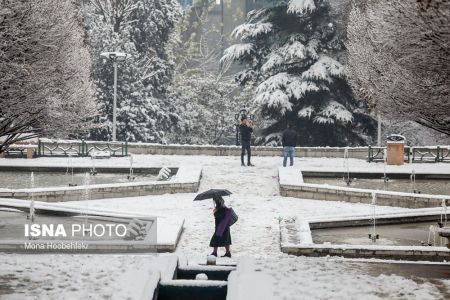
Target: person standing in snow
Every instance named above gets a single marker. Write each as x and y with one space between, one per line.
246 134
289 140
222 235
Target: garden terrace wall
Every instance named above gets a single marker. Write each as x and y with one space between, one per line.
102 191
138 148
187 180
296 238
292 185
330 193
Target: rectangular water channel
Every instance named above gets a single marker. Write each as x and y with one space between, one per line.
20 180
409 234
424 186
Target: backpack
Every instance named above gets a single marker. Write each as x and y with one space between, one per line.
234 217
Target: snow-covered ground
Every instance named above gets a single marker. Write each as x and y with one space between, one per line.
81 276
257 202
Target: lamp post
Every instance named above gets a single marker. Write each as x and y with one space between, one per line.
379 129
115 57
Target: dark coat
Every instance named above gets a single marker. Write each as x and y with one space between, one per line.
225 239
246 133
289 138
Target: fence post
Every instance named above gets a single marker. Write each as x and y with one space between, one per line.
82 148
126 148
438 151
408 149
369 154
39 147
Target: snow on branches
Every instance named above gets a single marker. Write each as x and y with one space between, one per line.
399 59
236 52
301 6
289 53
272 93
333 111
45 69
325 69
299 88
245 31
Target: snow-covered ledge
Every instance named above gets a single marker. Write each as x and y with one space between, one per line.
445 232
164 236
292 185
186 180
296 237
247 283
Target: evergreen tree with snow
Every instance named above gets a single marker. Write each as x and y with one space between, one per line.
291 55
140 28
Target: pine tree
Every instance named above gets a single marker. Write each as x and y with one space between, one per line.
141 29
291 54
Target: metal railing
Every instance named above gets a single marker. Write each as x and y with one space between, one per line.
80 148
431 154
413 154
375 154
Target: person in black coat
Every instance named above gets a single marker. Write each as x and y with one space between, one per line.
289 140
222 235
246 134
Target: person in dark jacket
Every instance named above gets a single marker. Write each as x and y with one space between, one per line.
221 236
246 134
289 141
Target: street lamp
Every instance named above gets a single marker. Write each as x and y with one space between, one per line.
115 57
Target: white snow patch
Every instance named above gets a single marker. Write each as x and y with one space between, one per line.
301 6
336 111
236 51
247 30
324 69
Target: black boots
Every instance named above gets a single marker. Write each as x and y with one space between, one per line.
214 254
227 254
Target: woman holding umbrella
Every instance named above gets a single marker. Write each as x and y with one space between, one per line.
224 218
221 236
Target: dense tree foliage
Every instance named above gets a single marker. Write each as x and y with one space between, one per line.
205 99
141 29
399 59
45 71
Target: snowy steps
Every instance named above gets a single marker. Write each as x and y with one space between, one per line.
215 282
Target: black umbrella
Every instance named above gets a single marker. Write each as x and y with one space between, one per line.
212 193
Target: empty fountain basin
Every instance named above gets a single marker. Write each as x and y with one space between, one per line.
409 234
19 180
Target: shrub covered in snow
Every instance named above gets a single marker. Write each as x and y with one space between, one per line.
207 103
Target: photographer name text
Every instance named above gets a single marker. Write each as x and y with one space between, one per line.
56 245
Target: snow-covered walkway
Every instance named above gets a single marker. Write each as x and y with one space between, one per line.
257 201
